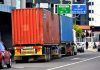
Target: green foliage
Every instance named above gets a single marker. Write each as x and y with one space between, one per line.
79 31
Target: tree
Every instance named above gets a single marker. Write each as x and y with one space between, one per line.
79 31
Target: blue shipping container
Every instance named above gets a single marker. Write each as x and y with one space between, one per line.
66 25
6 8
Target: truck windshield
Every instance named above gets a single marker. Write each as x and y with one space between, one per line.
2 46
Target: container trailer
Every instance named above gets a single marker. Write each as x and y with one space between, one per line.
66 35
35 34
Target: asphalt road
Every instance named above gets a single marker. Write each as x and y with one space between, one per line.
82 61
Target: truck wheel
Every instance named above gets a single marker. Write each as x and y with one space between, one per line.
10 63
2 64
72 53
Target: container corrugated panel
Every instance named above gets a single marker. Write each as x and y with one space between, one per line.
51 28
34 26
6 8
66 24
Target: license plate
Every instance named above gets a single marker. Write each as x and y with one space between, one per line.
27 51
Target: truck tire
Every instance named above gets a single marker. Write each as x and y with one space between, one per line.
71 53
9 64
2 64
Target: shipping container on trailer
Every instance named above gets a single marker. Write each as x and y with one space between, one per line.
34 28
66 25
66 35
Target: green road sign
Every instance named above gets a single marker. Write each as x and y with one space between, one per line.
63 9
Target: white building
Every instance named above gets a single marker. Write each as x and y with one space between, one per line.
15 3
94 18
94 12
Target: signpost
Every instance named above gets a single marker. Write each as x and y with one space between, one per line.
63 9
79 8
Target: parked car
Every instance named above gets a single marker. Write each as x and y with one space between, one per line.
5 56
80 47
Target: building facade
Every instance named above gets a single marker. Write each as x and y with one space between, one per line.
94 13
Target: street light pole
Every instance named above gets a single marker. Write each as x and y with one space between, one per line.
61 1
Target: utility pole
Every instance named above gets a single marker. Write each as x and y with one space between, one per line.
61 1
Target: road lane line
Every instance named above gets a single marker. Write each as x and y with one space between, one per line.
75 59
18 67
72 63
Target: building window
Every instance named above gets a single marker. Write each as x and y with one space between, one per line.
92 3
89 3
91 11
91 19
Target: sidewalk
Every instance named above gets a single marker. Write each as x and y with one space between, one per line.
91 49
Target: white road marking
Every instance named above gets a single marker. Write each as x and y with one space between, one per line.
18 67
73 63
75 59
